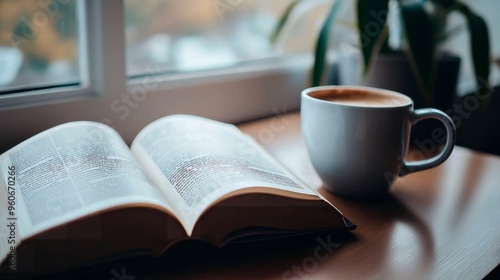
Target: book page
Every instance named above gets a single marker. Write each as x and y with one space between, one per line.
71 171
194 161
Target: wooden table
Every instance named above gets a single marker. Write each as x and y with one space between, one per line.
442 223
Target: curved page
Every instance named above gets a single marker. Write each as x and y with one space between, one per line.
68 172
195 161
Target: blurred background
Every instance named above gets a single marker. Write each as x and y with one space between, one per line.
38 43
42 44
39 39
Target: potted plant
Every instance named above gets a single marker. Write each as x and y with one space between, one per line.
423 24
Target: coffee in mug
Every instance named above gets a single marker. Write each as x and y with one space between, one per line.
357 137
360 98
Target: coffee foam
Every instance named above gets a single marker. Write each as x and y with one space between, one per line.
360 97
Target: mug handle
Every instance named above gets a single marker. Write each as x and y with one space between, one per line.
423 114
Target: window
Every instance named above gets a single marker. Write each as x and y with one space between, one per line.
129 62
38 44
96 85
193 35
67 49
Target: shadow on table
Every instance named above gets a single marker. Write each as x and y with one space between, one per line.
341 253
391 239
194 259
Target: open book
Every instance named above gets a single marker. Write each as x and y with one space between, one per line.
77 194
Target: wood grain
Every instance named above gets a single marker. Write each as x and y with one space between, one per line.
442 223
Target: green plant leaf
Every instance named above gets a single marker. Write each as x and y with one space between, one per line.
372 18
480 46
421 32
283 20
322 43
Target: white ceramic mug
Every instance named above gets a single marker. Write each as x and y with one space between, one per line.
359 149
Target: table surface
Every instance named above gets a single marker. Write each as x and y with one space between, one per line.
442 223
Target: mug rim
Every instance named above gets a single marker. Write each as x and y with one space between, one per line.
306 94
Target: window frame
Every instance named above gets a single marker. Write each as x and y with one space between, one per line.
103 75
233 95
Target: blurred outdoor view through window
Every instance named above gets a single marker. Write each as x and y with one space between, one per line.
192 35
38 44
39 38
